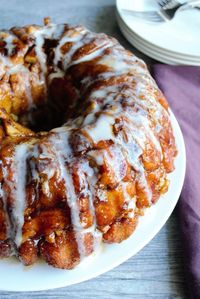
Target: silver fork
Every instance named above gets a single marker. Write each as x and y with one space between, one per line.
161 15
164 4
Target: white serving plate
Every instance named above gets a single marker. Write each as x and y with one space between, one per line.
152 52
180 36
16 277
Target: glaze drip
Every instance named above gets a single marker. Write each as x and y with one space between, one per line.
106 163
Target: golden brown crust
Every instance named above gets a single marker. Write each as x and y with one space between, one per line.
63 191
63 253
120 230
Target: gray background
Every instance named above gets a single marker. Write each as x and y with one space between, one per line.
157 270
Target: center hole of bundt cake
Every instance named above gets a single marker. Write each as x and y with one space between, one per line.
52 111
43 118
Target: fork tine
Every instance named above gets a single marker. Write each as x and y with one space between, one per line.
166 2
163 2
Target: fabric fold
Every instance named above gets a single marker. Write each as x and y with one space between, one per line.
181 86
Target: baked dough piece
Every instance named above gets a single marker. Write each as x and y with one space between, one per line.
86 142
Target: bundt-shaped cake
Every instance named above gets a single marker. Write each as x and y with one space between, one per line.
86 142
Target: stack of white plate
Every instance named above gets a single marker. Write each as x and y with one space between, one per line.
173 42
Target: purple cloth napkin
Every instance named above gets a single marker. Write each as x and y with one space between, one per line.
181 86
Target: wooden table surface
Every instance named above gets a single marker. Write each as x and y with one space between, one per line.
157 270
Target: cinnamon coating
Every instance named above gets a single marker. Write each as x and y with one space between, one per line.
86 143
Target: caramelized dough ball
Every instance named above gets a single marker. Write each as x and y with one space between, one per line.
108 210
45 223
28 253
120 230
5 249
63 253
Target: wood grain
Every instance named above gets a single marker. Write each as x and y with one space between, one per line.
156 272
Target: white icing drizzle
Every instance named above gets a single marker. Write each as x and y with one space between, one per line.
51 31
68 37
41 56
18 189
85 37
57 74
113 158
88 177
98 52
62 153
46 32
140 121
9 43
132 149
116 63
4 199
102 129
101 194
130 202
